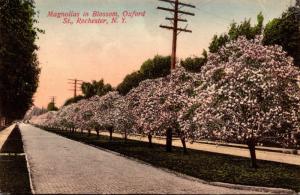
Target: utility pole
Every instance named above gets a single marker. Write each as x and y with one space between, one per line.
176 10
76 84
52 99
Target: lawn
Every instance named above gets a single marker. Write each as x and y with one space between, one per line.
203 165
14 177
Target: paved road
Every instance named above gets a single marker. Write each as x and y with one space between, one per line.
60 165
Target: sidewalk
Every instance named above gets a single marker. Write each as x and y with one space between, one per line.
4 134
222 149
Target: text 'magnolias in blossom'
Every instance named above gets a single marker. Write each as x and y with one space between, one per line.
95 17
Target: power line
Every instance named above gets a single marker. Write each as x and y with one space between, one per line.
218 16
261 4
177 13
206 3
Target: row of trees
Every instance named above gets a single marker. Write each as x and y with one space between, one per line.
246 92
19 71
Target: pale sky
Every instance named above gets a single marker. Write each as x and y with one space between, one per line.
110 51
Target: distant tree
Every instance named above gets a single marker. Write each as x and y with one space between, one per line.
217 42
285 31
159 66
87 89
95 88
19 71
51 107
130 81
235 30
73 100
194 64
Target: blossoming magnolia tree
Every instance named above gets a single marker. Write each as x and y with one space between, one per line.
44 118
84 111
123 118
67 116
137 97
250 93
109 111
32 112
155 104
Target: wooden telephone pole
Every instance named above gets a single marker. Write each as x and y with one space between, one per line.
177 12
53 100
76 84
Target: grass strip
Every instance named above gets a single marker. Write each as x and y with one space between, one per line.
14 176
14 143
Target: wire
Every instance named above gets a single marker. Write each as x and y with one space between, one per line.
206 3
210 13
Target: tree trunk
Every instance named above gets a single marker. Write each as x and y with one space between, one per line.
110 129
89 132
251 146
97 133
150 141
169 140
184 145
125 136
7 121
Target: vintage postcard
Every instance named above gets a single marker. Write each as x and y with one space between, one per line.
150 96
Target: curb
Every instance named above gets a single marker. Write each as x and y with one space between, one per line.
254 188
28 167
29 175
218 184
12 154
